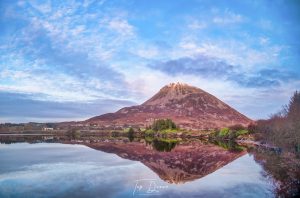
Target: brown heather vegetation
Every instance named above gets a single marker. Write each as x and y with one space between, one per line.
283 128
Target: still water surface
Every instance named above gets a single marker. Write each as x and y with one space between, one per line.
118 168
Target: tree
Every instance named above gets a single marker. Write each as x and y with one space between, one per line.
283 128
294 107
162 124
252 128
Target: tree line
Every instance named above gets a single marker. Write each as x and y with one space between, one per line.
283 128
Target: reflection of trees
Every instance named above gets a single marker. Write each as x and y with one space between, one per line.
163 145
283 167
73 133
131 134
230 145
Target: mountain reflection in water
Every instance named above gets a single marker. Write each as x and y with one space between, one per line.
186 162
178 161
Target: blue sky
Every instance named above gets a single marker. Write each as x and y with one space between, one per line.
70 60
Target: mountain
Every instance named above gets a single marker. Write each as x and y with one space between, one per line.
188 106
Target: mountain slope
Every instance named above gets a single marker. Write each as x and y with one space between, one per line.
188 106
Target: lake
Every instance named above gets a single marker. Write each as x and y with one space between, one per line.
45 166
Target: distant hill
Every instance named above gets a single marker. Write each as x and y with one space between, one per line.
189 107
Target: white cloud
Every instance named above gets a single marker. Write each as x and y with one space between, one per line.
87 3
68 31
228 18
47 85
147 52
121 26
43 7
196 25
233 52
263 40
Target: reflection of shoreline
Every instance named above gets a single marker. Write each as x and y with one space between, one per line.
283 167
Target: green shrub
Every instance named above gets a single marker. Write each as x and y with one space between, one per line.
170 130
224 132
241 132
73 133
163 124
149 132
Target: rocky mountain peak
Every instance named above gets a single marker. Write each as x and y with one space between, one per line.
172 91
